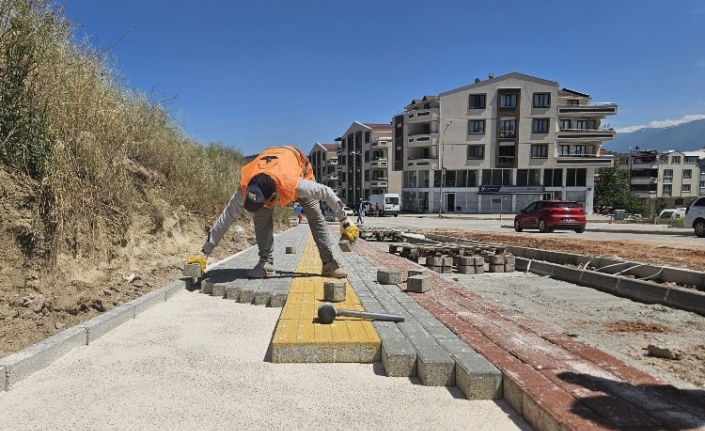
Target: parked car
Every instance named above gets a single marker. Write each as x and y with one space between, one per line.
672 213
695 216
549 215
348 211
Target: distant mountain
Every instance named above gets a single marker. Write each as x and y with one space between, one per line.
683 137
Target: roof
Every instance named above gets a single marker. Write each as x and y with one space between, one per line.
491 81
577 93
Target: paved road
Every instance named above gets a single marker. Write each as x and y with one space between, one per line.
597 228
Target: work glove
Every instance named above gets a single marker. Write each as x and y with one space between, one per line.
349 229
199 258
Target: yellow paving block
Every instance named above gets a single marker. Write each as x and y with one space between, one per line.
299 338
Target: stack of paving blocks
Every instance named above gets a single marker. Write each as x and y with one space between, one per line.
474 264
501 262
442 264
192 275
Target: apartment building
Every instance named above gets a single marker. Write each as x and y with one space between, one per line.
667 179
366 161
496 145
324 159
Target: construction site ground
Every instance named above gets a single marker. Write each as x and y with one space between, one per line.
616 326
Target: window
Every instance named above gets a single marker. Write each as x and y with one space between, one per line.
691 160
667 190
687 174
565 124
564 150
477 101
367 137
539 151
540 125
581 124
576 177
508 100
580 149
507 128
476 127
667 175
528 177
506 154
542 100
476 152
573 102
676 160
553 177
497 177
685 188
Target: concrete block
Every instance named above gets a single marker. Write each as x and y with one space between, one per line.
434 365
477 378
434 261
480 269
173 288
498 267
262 295
385 276
418 283
334 291
603 282
413 272
247 294
218 289
191 284
642 291
207 286
496 259
106 322
435 268
345 245
192 270
509 259
232 292
466 261
508 267
291 250
147 301
447 261
19 365
398 355
278 298
686 300
466 269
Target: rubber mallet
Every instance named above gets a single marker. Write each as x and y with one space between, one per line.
327 313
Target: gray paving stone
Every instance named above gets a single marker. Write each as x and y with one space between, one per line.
435 367
386 276
398 355
418 283
477 378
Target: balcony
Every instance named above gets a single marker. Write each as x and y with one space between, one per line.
586 135
422 140
421 116
378 184
643 180
332 162
381 143
584 160
331 177
592 110
379 163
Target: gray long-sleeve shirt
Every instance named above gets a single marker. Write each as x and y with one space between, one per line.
236 206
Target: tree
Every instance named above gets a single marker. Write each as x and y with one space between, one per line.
612 189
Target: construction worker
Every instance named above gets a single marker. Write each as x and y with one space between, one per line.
281 174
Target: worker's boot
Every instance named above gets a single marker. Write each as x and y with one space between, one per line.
332 269
263 269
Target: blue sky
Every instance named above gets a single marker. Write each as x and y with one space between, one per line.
254 73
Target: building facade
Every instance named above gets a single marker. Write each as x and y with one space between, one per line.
366 162
496 145
324 159
668 179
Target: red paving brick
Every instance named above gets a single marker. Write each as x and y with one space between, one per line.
553 380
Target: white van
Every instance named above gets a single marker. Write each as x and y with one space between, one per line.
384 204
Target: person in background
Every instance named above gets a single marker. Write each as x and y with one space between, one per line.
299 211
280 175
360 211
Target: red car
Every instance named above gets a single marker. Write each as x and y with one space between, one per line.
549 215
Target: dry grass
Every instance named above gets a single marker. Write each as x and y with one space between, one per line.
96 151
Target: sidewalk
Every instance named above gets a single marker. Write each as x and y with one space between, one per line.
201 362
